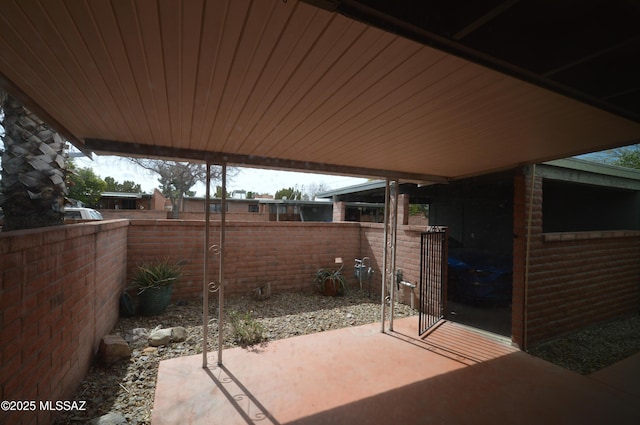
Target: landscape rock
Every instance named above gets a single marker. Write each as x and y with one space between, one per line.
178 334
159 337
136 337
113 348
110 419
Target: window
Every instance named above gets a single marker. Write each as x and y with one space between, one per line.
216 208
573 207
253 208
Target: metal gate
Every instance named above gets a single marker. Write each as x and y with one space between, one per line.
433 277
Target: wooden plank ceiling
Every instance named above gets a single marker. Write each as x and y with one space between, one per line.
281 84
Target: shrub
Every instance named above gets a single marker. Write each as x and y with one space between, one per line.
247 331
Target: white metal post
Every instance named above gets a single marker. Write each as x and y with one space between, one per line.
383 291
392 248
205 278
223 215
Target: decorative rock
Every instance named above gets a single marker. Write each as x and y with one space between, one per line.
262 292
178 334
113 349
159 337
136 337
109 419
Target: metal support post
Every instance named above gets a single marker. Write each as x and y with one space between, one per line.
383 291
214 286
392 249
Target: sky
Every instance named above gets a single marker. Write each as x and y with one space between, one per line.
249 179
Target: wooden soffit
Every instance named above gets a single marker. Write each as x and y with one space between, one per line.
281 84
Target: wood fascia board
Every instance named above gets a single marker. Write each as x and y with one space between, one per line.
149 151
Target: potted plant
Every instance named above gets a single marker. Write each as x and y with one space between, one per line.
331 282
155 282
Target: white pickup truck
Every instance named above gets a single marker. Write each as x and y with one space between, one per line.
78 213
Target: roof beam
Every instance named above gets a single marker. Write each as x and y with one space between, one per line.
487 17
147 151
591 56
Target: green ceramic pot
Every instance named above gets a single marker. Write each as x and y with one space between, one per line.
154 301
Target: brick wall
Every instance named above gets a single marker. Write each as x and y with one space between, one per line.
59 295
287 254
407 256
60 286
230 216
575 279
133 214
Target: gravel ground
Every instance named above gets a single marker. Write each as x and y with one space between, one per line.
594 348
128 387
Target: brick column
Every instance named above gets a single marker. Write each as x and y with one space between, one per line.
522 197
339 210
403 209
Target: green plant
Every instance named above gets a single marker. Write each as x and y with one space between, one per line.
154 282
331 282
247 330
157 274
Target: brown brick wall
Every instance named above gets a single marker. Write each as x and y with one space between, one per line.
575 279
230 216
286 254
60 286
133 214
407 255
59 295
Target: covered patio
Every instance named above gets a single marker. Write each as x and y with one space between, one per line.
454 375
346 88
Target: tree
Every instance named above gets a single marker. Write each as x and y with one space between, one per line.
627 157
177 178
314 188
419 209
289 193
126 187
85 186
33 187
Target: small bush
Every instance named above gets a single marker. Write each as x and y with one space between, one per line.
247 330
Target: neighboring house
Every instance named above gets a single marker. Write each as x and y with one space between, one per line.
259 209
139 205
582 265
133 201
133 205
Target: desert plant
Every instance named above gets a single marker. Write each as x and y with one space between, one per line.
246 329
331 282
157 274
154 282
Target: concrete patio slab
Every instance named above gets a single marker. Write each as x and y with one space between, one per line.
361 376
623 376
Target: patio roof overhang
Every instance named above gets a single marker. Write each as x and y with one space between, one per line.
443 91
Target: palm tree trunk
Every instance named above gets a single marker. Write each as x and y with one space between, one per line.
33 185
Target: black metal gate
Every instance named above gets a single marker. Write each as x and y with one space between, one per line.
433 277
